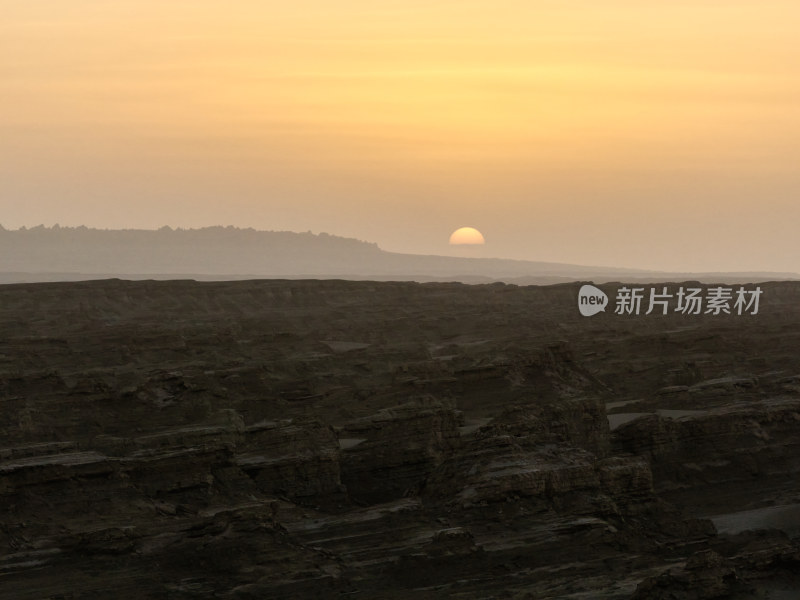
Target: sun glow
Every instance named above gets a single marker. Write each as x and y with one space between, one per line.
631 125
467 236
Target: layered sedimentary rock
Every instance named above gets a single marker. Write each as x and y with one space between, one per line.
738 442
314 439
387 455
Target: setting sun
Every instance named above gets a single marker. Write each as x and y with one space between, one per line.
467 235
650 134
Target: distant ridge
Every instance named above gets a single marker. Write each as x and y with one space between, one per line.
75 253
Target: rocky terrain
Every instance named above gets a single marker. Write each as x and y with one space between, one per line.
327 439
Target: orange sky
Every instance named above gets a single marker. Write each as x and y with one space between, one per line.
627 133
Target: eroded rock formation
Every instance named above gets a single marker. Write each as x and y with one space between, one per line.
392 440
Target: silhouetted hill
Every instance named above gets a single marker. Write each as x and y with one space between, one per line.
70 253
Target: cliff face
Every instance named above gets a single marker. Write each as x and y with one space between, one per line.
389 454
741 442
310 439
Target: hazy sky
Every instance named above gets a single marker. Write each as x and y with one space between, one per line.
636 133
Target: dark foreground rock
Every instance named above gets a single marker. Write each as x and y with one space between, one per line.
319 439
